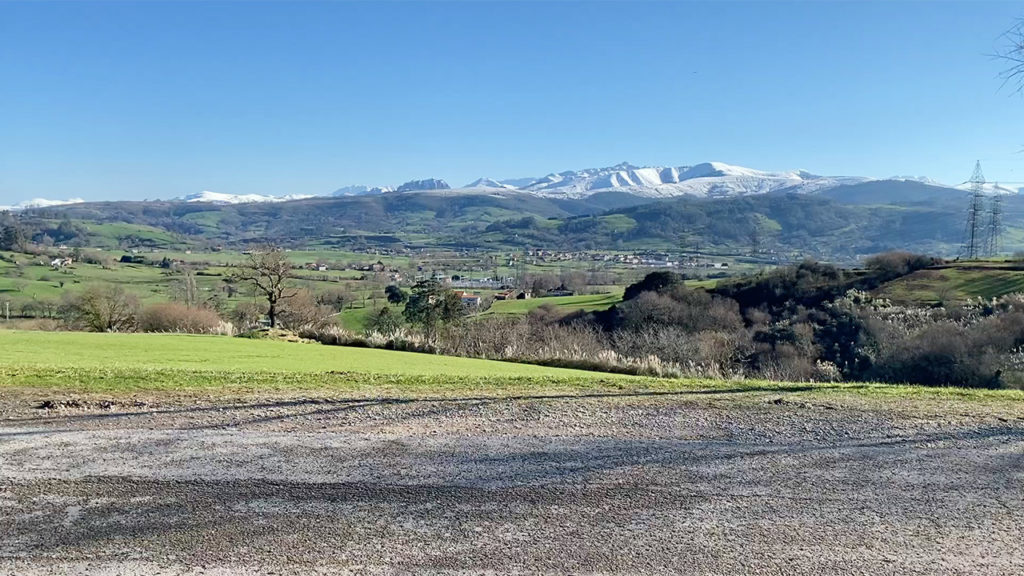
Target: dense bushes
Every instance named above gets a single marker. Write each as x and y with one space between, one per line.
653 282
970 347
176 317
692 310
302 311
248 315
814 321
809 322
110 308
892 265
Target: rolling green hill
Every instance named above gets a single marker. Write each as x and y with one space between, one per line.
956 282
845 224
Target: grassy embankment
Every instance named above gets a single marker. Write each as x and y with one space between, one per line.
956 282
119 364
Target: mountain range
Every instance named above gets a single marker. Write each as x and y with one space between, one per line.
705 180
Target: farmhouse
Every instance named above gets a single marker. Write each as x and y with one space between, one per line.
468 299
513 295
377 266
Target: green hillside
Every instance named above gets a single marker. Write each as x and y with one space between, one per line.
956 282
844 225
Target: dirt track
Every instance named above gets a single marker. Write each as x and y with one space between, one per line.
689 483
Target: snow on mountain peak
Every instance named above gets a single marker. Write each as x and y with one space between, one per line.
427 184
921 179
40 203
221 198
488 183
361 190
705 179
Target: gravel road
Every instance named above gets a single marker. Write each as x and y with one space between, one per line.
676 483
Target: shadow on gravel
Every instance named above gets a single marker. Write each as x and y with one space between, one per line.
539 493
326 406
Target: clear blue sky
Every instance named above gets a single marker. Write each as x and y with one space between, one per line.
119 100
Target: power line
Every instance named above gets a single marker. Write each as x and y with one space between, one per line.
972 234
994 242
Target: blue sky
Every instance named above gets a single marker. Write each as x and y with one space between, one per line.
132 100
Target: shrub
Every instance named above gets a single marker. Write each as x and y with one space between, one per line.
384 321
331 336
302 311
395 295
691 310
247 315
890 265
102 308
276 334
709 354
177 317
545 314
653 282
941 354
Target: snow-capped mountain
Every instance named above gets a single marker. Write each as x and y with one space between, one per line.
428 184
488 184
921 179
221 198
361 190
710 179
705 180
518 182
40 203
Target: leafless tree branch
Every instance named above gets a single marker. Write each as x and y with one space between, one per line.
1011 52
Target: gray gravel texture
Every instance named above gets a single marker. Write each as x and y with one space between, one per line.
659 484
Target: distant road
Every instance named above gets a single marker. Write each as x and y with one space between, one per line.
670 484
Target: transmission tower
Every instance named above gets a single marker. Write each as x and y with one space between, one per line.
973 241
994 243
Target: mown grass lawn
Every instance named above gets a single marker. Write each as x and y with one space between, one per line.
221 353
90 362
129 364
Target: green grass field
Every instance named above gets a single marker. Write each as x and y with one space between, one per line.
111 235
177 351
105 364
90 362
959 282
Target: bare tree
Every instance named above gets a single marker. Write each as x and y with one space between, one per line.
270 274
185 288
103 308
1012 52
303 311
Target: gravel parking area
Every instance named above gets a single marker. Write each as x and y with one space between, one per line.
686 483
